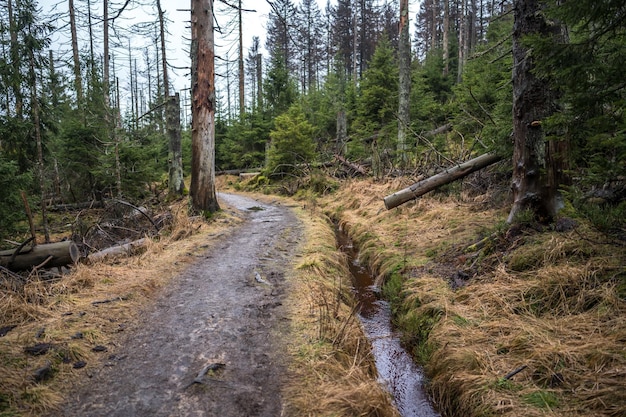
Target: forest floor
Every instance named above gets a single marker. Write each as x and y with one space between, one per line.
223 315
249 313
507 320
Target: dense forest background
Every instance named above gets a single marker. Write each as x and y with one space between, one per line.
326 84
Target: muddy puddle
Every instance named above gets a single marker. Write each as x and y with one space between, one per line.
396 370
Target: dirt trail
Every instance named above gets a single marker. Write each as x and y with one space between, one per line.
218 311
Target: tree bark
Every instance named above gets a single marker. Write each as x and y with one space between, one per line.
242 100
202 190
78 80
34 105
534 185
176 182
15 61
259 81
166 86
61 254
446 37
404 96
436 181
172 120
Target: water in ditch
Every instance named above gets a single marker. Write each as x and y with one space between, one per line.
396 370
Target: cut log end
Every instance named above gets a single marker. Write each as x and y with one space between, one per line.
48 255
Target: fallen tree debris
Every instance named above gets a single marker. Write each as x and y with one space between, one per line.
355 167
127 249
422 187
60 254
110 300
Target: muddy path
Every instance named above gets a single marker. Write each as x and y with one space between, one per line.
225 309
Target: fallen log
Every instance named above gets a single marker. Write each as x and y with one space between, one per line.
355 167
77 206
126 249
248 175
60 254
441 129
420 188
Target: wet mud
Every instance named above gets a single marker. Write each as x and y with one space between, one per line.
211 344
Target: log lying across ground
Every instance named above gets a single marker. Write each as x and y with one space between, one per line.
57 254
420 188
355 167
126 249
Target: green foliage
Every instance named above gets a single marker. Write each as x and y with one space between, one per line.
541 399
377 100
242 144
588 71
483 103
430 90
11 206
291 142
280 90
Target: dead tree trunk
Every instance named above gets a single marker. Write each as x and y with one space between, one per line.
534 184
404 93
50 255
172 113
202 190
420 188
242 100
78 80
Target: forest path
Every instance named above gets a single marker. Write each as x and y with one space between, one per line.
224 309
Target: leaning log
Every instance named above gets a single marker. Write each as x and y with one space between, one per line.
420 188
126 249
48 255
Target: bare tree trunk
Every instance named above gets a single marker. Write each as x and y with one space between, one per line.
242 100
462 40
404 58
166 86
37 127
172 120
446 37
433 26
92 64
78 79
259 80
535 182
175 158
203 107
15 61
132 84
107 58
136 94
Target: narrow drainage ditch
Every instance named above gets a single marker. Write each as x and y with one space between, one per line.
396 369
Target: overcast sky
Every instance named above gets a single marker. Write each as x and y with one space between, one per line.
143 18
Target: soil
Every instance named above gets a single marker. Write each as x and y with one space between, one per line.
224 309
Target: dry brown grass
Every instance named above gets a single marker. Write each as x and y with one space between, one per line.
553 302
333 373
56 311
